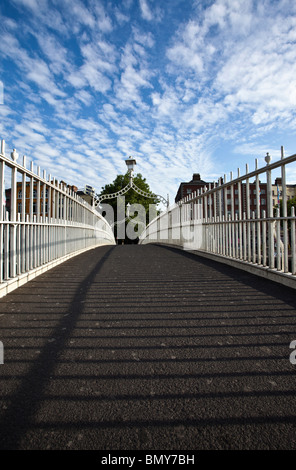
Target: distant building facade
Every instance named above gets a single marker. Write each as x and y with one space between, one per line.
44 198
186 189
277 190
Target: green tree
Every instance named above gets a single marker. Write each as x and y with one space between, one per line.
129 198
290 203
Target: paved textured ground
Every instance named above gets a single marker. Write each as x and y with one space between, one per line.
147 348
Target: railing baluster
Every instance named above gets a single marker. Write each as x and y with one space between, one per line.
264 244
253 231
284 214
278 240
2 201
293 245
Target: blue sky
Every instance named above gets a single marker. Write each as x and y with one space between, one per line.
184 86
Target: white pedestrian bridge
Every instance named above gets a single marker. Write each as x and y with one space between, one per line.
43 222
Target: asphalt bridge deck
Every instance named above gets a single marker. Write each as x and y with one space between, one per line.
147 347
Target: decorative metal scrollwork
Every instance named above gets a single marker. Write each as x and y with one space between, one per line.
130 185
113 195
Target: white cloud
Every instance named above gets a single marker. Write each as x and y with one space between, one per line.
98 65
144 38
34 5
77 79
187 51
27 133
145 10
104 84
121 17
103 20
84 96
97 80
43 14
134 77
82 14
36 70
56 54
148 13
243 58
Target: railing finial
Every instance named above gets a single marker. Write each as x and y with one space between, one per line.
268 158
14 155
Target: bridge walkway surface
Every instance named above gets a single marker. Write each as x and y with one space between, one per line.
141 347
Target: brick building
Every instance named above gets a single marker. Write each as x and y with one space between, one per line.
185 189
19 192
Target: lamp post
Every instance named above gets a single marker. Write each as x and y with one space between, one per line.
130 163
128 206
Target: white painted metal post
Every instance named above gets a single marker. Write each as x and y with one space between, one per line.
270 215
23 218
223 235
34 241
244 237
232 244
293 244
220 226
6 247
215 226
38 207
253 231
31 214
258 225
13 216
264 244
2 201
240 213
28 234
49 199
225 217
18 244
24 191
236 236
248 215
284 214
278 240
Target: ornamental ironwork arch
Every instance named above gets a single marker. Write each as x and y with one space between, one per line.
130 162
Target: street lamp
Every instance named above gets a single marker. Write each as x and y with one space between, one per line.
130 163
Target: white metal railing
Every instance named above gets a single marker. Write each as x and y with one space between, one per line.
235 220
42 222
